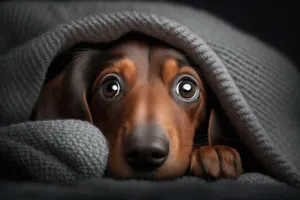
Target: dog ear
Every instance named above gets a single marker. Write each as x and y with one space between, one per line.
220 129
214 128
222 132
62 98
65 95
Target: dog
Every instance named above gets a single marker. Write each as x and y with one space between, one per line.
149 102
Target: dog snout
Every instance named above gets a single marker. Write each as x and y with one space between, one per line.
146 148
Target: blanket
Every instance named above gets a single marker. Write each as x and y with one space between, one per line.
256 85
184 189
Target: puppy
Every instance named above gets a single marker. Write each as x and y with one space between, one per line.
148 101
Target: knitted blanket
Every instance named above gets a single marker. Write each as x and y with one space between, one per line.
255 84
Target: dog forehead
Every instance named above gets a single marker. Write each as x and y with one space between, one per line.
134 50
149 58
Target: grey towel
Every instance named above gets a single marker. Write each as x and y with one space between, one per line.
256 85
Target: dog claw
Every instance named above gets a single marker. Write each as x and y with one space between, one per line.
215 162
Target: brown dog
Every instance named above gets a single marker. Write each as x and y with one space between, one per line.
147 100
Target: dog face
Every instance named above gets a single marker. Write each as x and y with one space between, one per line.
151 102
145 98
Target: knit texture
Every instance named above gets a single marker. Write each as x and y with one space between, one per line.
49 151
256 85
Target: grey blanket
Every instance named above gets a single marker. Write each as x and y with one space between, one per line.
256 85
108 189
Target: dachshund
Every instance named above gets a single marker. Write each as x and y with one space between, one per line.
148 100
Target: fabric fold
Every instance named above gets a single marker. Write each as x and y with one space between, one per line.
62 152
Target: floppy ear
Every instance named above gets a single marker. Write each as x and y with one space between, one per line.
220 130
65 95
214 128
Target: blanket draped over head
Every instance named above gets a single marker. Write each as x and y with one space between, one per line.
256 85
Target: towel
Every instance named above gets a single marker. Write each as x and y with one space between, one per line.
256 84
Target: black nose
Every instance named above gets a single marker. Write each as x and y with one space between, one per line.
146 148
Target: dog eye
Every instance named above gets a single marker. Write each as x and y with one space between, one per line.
110 87
187 89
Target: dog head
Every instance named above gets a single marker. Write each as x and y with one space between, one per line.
142 94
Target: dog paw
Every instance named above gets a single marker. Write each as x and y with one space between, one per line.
216 162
